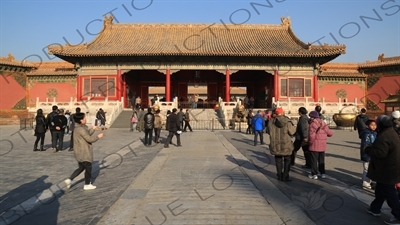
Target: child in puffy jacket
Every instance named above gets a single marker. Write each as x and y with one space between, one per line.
368 137
317 138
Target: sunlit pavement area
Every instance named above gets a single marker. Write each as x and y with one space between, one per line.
216 177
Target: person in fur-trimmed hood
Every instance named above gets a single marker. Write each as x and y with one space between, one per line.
384 168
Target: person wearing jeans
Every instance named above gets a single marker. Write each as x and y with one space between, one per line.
83 150
258 126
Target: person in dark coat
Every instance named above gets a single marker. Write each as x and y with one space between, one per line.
72 128
301 138
360 122
40 130
50 126
368 137
148 127
384 168
173 128
249 119
181 114
101 116
60 123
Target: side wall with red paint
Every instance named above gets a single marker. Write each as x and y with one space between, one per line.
11 92
381 89
63 91
328 92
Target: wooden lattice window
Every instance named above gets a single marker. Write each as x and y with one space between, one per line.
283 87
296 87
99 87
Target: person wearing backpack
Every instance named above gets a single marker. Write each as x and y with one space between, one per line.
50 126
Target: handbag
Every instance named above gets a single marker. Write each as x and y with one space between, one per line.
134 120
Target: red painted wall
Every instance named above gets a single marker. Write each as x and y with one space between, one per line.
65 91
381 90
328 91
10 92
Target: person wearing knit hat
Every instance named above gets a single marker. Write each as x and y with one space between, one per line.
396 114
396 121
280 130
384 167
317 138
360 122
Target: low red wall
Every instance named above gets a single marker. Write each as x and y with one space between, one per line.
64 91
328 91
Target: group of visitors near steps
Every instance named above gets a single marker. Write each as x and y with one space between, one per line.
379 145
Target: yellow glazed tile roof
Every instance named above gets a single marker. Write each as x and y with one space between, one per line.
10 61
381 62
197 40
53 68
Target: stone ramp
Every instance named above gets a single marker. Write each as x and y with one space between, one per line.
199 183
123 120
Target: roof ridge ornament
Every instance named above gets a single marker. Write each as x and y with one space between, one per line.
10 57
286 22
381 56
108 20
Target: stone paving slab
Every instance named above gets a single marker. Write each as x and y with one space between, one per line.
29 179
194 184
339 199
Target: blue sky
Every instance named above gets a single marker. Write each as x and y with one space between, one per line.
27 27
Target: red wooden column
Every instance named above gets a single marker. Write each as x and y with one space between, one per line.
276 85
119 84
227 86
168 86
124 93
79 81
316 88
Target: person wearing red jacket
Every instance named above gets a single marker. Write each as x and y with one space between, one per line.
318 133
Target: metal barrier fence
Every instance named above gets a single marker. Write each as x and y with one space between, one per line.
26 123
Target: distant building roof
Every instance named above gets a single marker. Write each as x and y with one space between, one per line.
53 68
381 62
340 70
11 62
392 99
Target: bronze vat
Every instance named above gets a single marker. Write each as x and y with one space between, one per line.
344 119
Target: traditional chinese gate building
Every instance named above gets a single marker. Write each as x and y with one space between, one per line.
126 59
